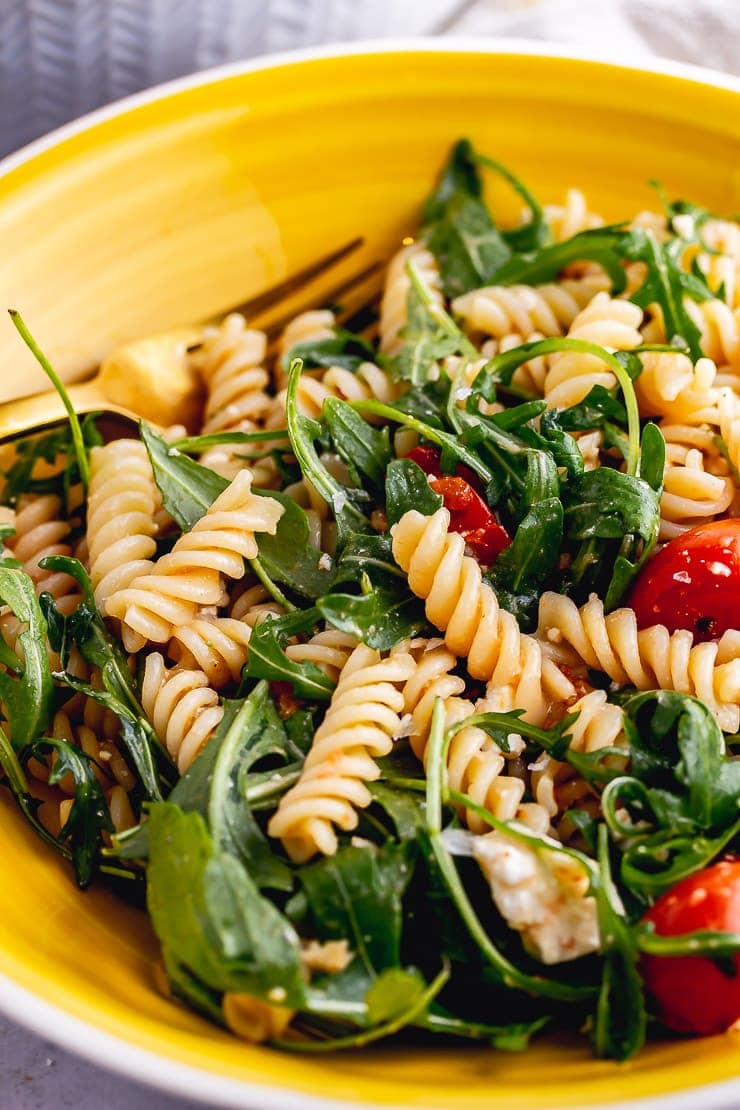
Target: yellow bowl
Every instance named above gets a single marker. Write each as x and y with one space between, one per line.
170 207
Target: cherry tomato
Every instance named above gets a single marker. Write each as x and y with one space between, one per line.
469 514
695 994
693 582
471 517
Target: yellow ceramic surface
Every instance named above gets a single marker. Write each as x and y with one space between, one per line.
177 205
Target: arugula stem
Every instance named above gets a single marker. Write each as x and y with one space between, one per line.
74 422
272 588
194 445
434 435
378 1032
700 943
506 363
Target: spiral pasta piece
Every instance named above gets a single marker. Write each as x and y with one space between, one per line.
182 708
523 310
609 323
691 494
394 306
649 658
670 386
368 382
557 787
359 726
729 425
328 650
41 531
231 362
476 766
120 516
569 219
465 609
190 576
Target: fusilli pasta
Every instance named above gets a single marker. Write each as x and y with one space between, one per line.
359 726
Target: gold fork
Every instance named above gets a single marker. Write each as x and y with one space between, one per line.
155 372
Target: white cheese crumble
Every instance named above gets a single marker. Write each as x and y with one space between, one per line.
542 894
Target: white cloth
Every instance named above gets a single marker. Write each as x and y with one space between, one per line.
61 58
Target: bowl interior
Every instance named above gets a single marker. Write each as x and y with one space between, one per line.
181 205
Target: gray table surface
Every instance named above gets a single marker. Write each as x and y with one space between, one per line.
35 1074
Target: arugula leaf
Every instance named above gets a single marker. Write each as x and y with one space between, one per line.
267 659
407 487
601 244
89 816
426 340
680 806
379 617
303 432
26 690
289 556
364 448
343 348
19 479
357 895
216 785
458 227
620 1021
392 993
188 489
666 284
85 628
209 915
534 551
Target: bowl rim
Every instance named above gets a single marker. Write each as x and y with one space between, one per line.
115 1053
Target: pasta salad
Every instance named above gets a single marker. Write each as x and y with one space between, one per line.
401 682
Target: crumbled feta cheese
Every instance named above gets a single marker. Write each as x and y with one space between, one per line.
277 995
405 728
325 562
339 501
542 894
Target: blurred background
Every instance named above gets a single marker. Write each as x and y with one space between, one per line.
61 58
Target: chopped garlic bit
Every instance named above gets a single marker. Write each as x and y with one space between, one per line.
542 894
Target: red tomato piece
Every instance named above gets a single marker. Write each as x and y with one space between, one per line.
693 582
694 994
428 458
472 518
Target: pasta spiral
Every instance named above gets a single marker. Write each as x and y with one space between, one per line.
523 310
557 786
120 516
359 726
182 708
729 421
465 608
230 361
394 306
613 324
691 494
41 531
154 604
315 386
670 386
475 764
568 219
649 659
